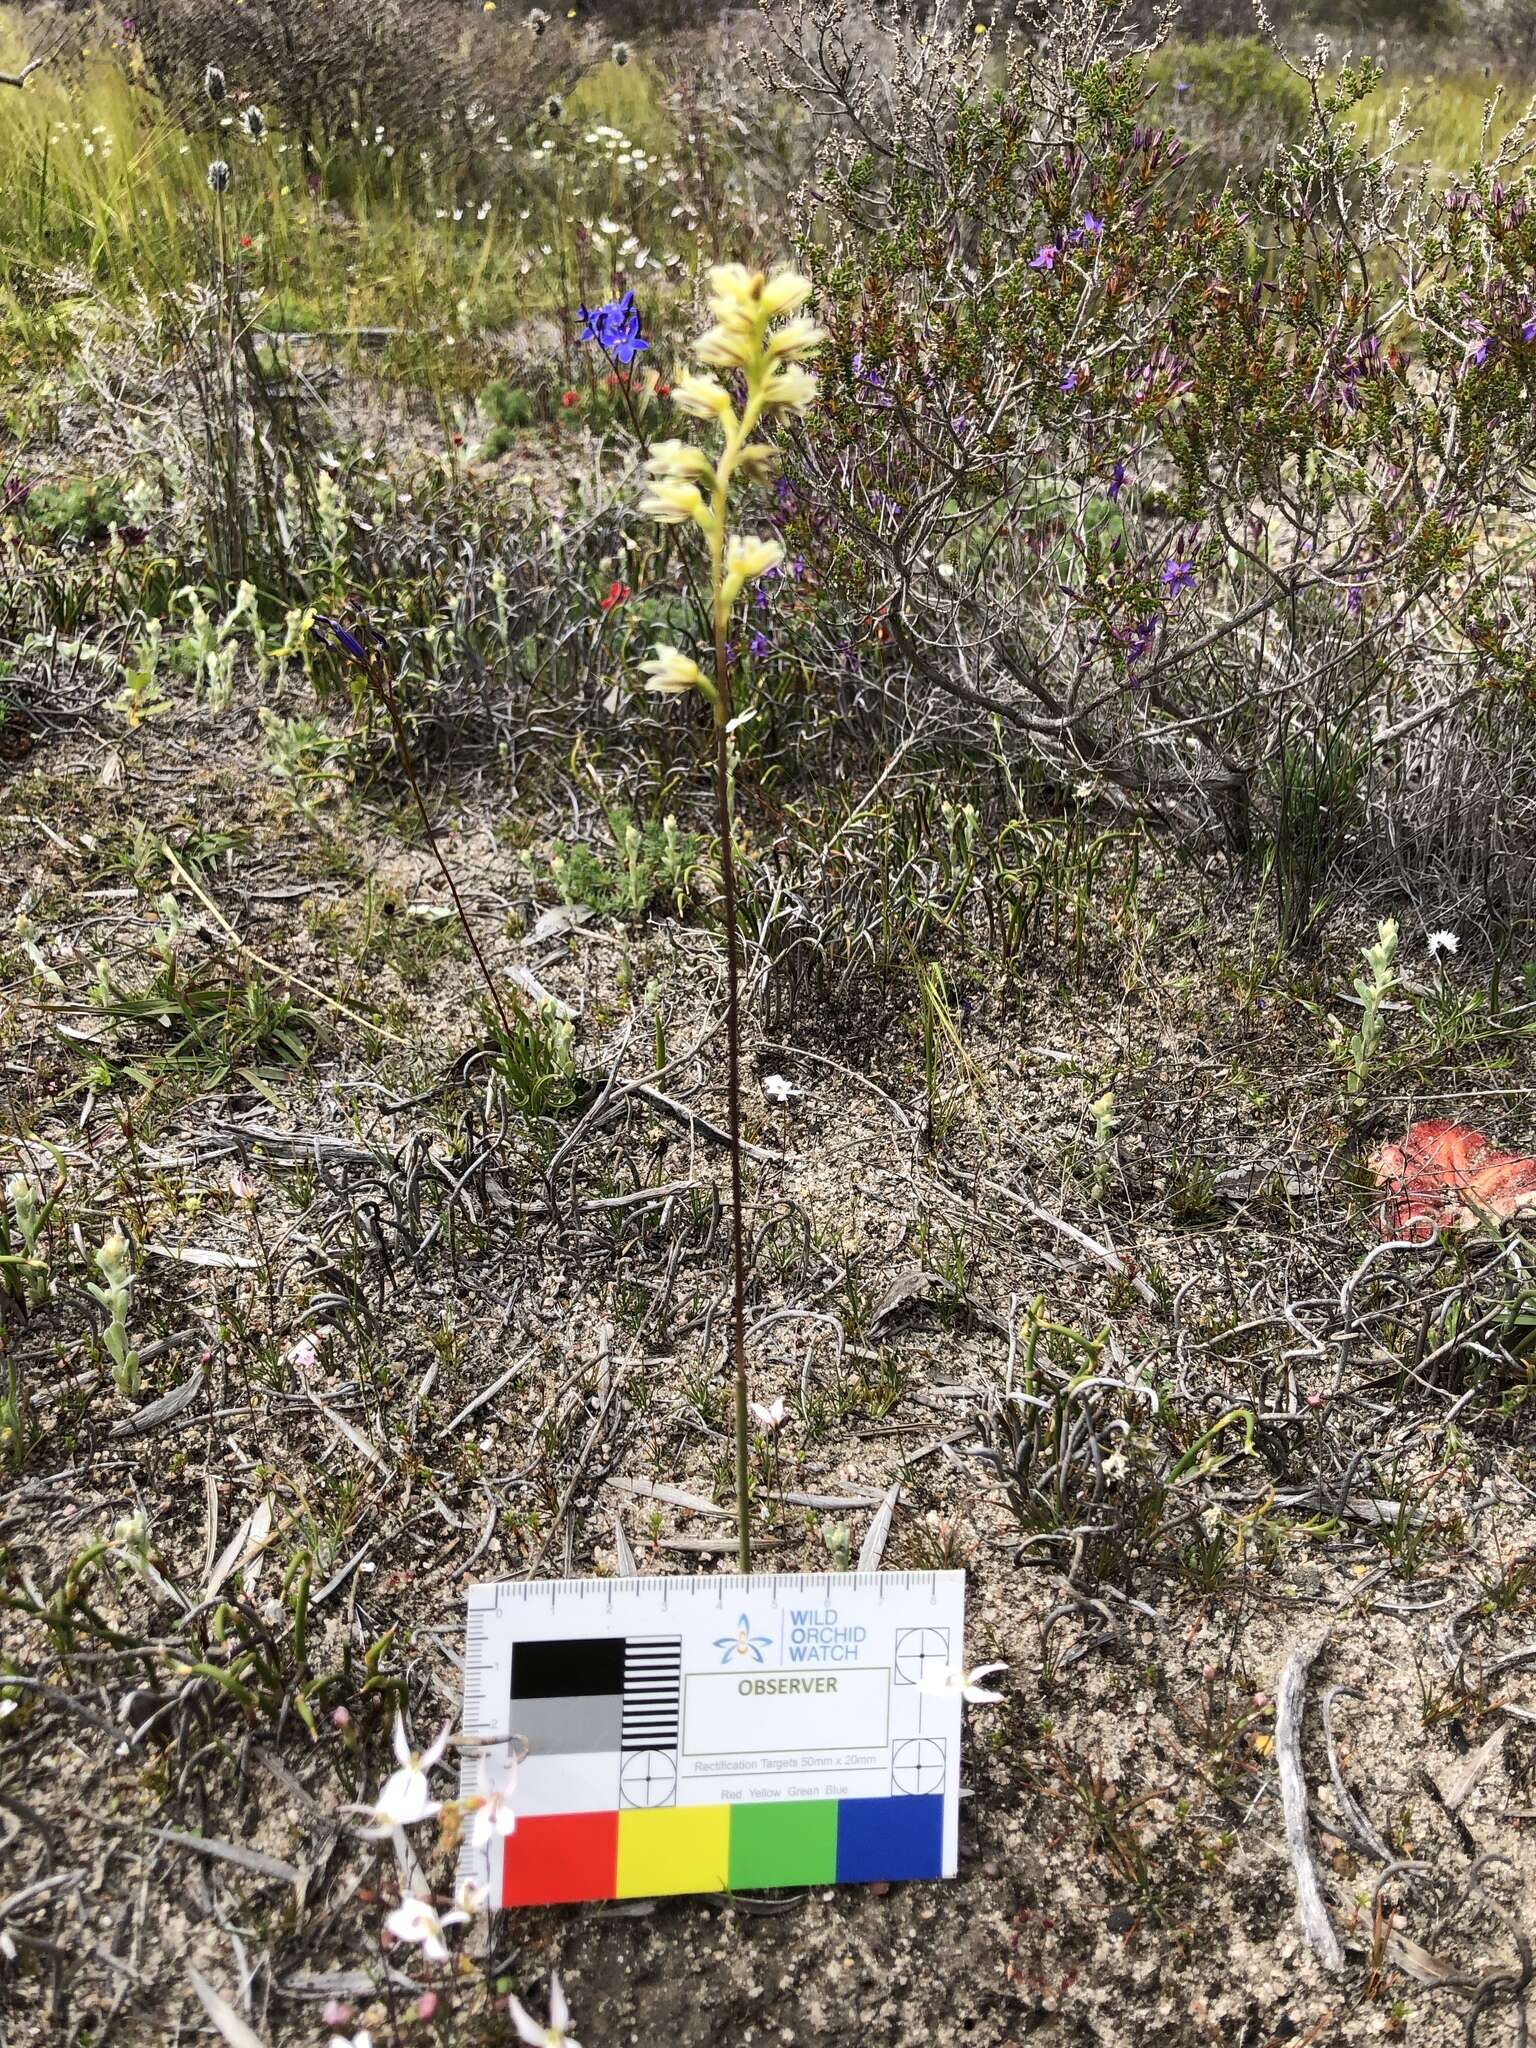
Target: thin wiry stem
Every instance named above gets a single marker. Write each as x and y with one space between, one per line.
732 993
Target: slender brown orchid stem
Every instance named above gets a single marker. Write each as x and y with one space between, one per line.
732 1077
375 667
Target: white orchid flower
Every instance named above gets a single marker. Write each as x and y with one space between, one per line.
556 2034
956 1679
407 1794
494 1818
417 1921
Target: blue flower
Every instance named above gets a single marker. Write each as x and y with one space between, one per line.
615 328
759 645
1177 577
1116 481
1138 639
1528 331
349 641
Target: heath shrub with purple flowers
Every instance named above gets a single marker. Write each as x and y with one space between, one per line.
1132 463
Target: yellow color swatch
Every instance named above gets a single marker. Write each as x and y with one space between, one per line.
673 1849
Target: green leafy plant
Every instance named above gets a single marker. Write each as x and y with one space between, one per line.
510 411
1373 988
25 1273
115 1293
654 860
83 511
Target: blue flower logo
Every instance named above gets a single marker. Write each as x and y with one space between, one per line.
743 1646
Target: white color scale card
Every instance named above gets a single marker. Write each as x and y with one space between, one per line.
713 1734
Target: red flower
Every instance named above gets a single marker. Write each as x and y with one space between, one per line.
617 592
245 241
663 390
458 440
1449 1176
570 398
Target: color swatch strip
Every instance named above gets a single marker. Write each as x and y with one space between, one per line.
562 1858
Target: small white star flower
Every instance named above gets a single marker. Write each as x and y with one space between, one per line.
494 1818
556 2034
1443 942
777 1089
956 1679
417 1921
407 1794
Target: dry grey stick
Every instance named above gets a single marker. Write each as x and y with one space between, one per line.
1354 1813
19 78
1290 1704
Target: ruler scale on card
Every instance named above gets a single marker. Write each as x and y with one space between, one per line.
713 1734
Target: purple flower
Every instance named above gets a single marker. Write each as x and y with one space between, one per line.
1136 639
1180 87
1178 577
759 645
615 328
1116 482
1352 599
349 641
1528 331
1045 259
1069 382
1478 355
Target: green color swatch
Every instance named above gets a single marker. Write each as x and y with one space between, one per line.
790 1843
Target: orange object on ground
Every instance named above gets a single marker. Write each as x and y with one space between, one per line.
1447 1176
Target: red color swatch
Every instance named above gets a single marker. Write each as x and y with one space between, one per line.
557 1859
1448 1176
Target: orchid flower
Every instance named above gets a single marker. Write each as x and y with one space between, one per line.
407 1794
416 1920
556 2034
494 1818
954 1679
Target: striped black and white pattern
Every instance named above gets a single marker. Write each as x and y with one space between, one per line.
653 1692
